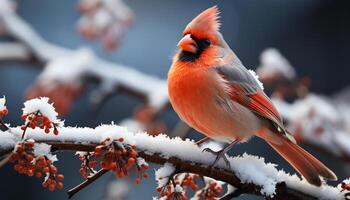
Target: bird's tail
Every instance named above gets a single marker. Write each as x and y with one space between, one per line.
302 161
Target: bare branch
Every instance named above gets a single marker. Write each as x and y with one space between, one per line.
87 182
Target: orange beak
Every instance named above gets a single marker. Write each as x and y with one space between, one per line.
188 44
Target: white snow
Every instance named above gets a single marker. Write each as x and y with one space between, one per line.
81 153
141 162
346 181
104 23
13 51
40 104
42 149
178 188
70 65
250 169
67 68
316 112
163 174
132 125
2 103
7 6
272 62
230 189
256 78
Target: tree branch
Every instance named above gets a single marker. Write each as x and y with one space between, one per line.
183 155
87 182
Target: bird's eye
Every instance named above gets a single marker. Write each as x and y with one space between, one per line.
206 43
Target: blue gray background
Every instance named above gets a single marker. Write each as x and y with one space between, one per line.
314 36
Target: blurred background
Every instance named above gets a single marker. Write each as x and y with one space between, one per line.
312 35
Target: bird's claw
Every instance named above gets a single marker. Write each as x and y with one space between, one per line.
219 154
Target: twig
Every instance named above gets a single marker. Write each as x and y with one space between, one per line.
87 182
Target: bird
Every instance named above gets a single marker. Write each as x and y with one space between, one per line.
214 93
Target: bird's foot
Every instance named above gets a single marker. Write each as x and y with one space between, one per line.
218 154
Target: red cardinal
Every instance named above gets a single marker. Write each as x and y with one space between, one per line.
215 94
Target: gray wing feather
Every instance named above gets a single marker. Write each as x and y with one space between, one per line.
236 73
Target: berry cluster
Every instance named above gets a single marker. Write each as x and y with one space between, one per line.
117 157
87 166
30 164
36 119
183 181
211 191
169 192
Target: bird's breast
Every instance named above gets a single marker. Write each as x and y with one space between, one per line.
198 96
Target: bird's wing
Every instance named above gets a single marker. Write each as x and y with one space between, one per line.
246 90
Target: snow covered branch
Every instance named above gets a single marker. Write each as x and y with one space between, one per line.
32 146
248 173
82 65
315 120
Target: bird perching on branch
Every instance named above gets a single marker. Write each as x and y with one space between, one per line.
214 93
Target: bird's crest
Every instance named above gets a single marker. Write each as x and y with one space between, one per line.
207 21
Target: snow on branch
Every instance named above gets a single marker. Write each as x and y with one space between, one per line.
248 172
315 120
68 69
14 51
121 149
272 62
105 19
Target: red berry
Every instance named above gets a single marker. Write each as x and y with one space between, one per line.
38 174
59 185
60 177
51 187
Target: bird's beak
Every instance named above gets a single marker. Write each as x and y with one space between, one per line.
188 44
